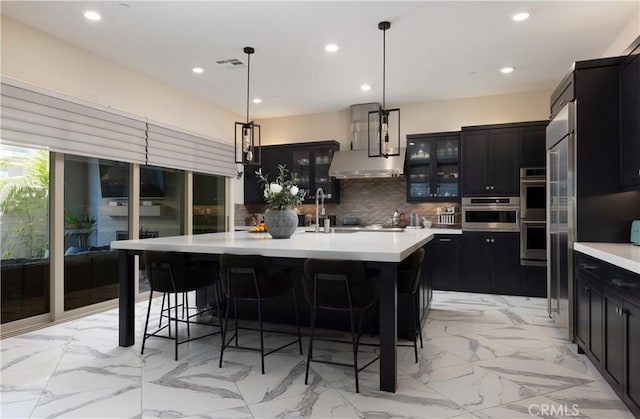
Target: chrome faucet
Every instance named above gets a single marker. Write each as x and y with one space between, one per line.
319 193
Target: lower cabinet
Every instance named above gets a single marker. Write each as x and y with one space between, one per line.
607 319
444 257
491 262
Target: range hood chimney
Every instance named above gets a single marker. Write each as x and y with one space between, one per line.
356 164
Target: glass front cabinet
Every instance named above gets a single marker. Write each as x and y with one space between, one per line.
311 166
432 167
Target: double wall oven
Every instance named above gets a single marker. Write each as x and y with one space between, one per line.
533 225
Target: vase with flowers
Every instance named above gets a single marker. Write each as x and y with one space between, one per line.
280 195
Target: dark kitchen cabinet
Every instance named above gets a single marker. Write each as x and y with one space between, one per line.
490 161
612 362
607 320
630 120
589 302
445 256
309 161
533 145
432 167
491 262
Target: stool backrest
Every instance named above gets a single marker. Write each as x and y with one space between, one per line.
166 271
242 275
410 270
337 284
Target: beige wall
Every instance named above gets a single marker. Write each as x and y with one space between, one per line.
627 35
35 57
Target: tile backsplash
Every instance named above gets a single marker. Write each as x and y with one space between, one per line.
371 200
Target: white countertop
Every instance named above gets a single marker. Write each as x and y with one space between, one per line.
359 245
623 255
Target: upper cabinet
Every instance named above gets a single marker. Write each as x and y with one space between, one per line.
490 161
309 161
432 167
491 156
630 120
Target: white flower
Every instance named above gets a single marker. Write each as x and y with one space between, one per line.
294 190
275 188
266 193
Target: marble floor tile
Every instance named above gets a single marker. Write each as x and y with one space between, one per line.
484 356
539 406
475 388
535 373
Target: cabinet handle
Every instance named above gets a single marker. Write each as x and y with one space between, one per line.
487 240
493 187
619 311
444 240
588 266
624 284
493 240
486 188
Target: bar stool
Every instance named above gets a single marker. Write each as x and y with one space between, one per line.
253 277
409 273
341 285
169 272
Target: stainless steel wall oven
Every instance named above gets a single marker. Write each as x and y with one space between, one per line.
533 224
491 214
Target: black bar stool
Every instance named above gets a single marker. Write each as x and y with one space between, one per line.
253 277
170 273
409 273
341 285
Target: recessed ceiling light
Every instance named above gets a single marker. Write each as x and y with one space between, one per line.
506 70
365 87
520 16
257 100
331 48
198 70
92 15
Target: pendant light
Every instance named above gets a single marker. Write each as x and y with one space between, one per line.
247 134
387 138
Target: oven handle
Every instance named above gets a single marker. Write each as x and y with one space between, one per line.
541 181
524 221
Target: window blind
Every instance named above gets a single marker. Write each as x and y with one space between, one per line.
33 117
168 147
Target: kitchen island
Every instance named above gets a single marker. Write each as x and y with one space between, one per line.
380 250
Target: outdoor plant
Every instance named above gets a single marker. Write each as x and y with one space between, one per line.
283 192
80 226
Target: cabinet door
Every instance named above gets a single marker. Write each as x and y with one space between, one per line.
596 326
271 157
630 123
506 263
474 162
301 167
445 181
445 262
612 361
632 346
477 261
583 293
419 170
532 146
322 157
505 176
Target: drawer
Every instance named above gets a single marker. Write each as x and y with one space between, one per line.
586 266
624 282
446 239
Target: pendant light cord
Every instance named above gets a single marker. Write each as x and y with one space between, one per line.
248 81
384 60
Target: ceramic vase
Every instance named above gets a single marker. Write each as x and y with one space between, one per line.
281 224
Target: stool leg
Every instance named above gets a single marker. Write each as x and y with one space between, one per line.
413 314
419 322
355 349
176 320
164 294
215 295
295 309
146 323
224 333
235 312
185 305
261 335
310 350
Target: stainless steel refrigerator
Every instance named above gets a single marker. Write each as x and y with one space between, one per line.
561 206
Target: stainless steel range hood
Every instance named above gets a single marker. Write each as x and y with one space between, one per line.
357 164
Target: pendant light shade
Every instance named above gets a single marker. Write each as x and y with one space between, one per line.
247 134
385 123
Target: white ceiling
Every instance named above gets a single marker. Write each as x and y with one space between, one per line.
435 50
